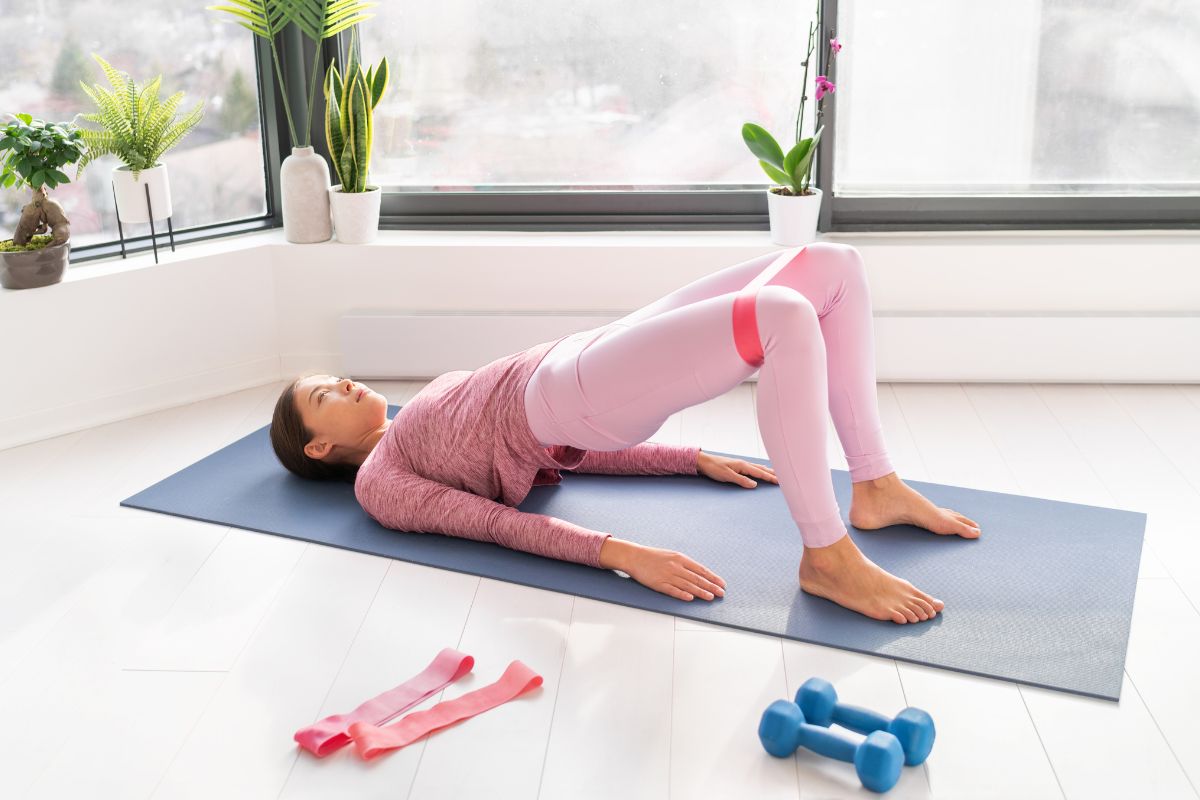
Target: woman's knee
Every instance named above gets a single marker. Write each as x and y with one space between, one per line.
840 259
780 302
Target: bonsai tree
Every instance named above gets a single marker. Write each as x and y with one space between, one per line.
349 121
136 127
36 150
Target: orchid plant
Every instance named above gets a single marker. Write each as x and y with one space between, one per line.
793 170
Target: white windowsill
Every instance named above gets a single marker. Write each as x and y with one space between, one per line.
592 239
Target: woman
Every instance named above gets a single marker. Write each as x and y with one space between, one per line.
589 400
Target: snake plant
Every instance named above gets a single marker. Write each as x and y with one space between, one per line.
136 127
349 125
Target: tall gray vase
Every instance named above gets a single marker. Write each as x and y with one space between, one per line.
304 189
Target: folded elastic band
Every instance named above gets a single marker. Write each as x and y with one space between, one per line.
326 736
745 311
371 740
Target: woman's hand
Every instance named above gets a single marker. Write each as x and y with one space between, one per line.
671 573
732 470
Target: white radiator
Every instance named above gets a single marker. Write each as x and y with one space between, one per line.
972 346
410 345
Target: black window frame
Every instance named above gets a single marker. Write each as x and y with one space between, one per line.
534 209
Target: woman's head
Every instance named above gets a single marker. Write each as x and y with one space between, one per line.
324 426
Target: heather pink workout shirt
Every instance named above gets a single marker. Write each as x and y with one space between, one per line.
463 443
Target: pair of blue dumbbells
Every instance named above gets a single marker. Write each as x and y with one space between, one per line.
891 743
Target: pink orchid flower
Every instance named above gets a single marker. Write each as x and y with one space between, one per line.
835 44
824 86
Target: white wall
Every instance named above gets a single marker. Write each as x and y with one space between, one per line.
120 338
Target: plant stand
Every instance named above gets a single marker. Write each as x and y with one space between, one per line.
153 235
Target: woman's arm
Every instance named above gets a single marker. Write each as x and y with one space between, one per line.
407 502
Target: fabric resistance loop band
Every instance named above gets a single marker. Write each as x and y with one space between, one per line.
326 736
745 314
371 740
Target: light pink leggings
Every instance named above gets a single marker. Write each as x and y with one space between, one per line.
611 387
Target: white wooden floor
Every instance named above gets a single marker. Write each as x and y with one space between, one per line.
144 655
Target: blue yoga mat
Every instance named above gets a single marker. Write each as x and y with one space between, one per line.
1043 597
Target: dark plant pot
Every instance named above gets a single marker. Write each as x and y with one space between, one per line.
33 268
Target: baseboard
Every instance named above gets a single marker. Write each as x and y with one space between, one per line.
941 346
138 400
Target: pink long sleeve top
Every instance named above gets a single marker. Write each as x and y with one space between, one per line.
460 456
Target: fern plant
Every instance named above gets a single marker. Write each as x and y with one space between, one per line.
136 127
349 116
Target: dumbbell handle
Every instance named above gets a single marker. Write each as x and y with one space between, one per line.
821 740
860 720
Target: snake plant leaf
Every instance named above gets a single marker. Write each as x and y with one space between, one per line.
333 126
333 82
361 123
379 83
762 144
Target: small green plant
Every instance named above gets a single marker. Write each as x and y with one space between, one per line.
349 121
36 150
136 127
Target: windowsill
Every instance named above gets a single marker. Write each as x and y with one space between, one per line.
592 239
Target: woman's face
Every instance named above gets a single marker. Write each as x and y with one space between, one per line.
344 416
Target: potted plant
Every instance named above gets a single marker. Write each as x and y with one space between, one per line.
349 126
137 129
793 207
36 150
303 175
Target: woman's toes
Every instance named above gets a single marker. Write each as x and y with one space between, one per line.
925 607
909 614
898 616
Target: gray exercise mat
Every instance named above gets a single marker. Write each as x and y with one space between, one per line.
1043 597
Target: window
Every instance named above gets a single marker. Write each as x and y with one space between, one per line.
1017 114
216 171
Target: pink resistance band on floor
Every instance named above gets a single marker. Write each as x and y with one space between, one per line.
745 310
372 740
326 736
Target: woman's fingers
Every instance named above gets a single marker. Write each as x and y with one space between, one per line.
697 584
703 571
675 592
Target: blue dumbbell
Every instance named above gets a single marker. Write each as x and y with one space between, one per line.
877 760
913 727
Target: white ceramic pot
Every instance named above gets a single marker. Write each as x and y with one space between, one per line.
131 194
303 194
794 217
355 214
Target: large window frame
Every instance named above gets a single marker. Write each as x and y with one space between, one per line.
693 209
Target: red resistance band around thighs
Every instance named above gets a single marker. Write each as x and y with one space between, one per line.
326 736
372 740
745 313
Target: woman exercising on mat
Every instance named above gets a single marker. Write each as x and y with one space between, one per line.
588 402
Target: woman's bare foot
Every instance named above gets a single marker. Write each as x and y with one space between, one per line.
841 573
888 501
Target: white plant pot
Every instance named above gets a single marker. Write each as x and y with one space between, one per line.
355 214
794 217
131 194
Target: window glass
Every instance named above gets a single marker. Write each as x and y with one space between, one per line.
619 94
215 172
1042 97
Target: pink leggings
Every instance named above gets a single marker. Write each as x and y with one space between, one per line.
611 387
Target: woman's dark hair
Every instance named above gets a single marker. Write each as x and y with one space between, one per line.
289 435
